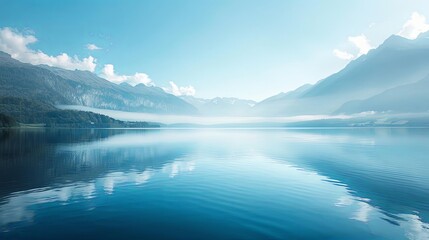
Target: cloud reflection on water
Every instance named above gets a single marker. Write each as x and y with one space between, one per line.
310 158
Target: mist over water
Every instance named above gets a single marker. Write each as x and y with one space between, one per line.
197 119
215 184
363 119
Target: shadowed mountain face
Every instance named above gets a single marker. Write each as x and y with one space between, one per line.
409 98
398 61
59 86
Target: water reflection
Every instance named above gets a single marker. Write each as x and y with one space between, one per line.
38 158
270 183
383 170
17 207
392 172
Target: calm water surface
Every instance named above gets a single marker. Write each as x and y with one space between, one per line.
215 184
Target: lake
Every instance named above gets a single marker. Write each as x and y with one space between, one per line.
368 183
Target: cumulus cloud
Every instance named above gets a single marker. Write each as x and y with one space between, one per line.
414 26
361 42
108 72
180 91
343 55
16 44
92 47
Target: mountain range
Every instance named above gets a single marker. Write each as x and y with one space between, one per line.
409 98
221 106
64 87
392 78
373 82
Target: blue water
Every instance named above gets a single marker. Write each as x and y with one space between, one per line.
215 184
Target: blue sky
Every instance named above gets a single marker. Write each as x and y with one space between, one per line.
243 48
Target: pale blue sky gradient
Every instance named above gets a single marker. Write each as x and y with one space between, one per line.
249 49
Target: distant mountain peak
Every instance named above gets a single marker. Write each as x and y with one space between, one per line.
395 41
125 84
398 42
397 61
221 106
140 86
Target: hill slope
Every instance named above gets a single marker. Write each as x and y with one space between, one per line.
59 86
398 61
18 110
409 98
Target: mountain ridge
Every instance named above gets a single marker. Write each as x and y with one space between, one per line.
397 61
59 86
221 106
408 98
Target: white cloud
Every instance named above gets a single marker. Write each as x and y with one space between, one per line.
414 26
108 72
411 29
92 47
343 54
362 43
180 91
16 44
